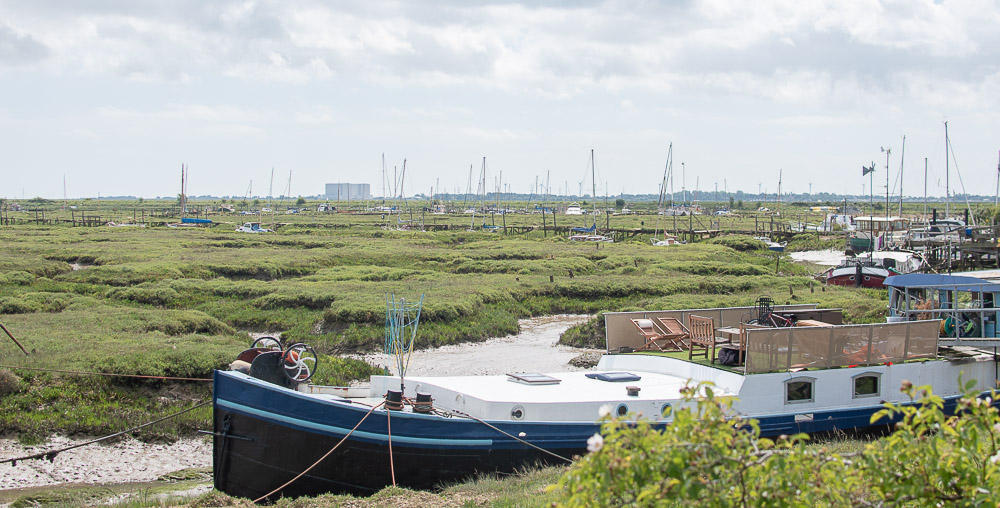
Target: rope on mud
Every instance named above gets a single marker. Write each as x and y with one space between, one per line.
392 465
51 454
12 367
539 448
321 459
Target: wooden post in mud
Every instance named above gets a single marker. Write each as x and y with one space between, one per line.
13 339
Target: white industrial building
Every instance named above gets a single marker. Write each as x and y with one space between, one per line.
348 191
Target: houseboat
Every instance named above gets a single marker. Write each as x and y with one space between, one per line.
794 368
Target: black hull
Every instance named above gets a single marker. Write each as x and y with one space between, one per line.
259 456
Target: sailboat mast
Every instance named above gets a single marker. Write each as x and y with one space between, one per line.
887 152
483 187
996 198
925 188
902 156
270 189
780 171
593 183
666 174
947 185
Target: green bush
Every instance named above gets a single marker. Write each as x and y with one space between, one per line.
27 303
707 456
159 296
17 278
739 243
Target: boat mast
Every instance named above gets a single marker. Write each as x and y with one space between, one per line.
779 189
902 155
887 152
996 198
593 184
947 187
925 188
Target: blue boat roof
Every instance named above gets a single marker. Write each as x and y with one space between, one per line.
939 281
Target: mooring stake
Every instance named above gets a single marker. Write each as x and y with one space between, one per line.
5 330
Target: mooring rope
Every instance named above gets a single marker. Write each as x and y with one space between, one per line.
392 465
321 459
539 448
12 367
51 454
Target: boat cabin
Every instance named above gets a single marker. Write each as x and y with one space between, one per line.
965 307
880 225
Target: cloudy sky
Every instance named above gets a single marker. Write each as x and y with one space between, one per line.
116 94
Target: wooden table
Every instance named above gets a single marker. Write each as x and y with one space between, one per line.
730 333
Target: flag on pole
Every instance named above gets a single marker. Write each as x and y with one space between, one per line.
865 169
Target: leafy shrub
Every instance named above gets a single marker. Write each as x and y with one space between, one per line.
17 278
35 302
16 305
309 300
741 243
589 334
184 322
707 456
9 383
192 358
337 371
160 296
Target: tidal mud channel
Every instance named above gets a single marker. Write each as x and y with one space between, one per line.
534 349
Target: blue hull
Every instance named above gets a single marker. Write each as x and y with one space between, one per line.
265 435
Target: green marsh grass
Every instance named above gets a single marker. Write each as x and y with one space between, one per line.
179 302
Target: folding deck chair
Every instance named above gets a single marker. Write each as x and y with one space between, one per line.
661 334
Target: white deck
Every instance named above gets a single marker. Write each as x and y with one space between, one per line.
575 398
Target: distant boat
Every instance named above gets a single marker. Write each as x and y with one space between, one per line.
252 227
574 209
858 272
191 220
591 238
667 240
771 244
872 270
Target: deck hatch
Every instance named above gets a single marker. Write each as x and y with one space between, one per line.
532 379
614 377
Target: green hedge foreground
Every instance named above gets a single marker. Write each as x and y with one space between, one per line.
706 457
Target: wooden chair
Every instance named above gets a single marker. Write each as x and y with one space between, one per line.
674 332
654 336
702 337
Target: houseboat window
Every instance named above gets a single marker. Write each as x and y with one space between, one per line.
866 385
799 390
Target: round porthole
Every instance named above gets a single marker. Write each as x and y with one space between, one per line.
517 413
851 277
666 410
622 410
867 277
